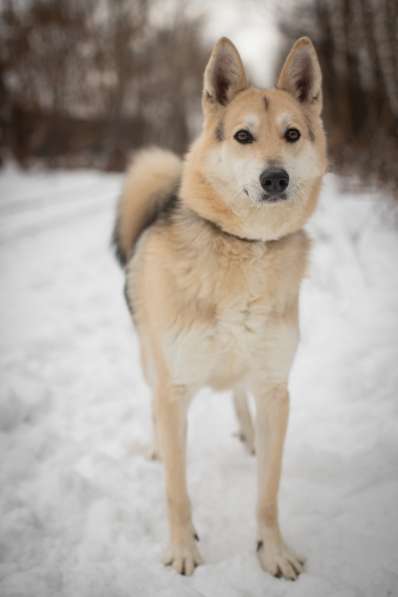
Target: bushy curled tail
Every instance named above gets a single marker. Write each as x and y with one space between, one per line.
152 178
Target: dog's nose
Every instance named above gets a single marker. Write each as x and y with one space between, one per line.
274 180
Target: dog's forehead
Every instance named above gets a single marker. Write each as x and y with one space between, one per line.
253 106
247 106
251 120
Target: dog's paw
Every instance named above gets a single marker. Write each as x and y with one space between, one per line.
183 557
280 561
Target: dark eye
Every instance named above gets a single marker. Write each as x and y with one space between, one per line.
243 136
292 135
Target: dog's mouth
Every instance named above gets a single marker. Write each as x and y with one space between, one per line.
267 197
273 198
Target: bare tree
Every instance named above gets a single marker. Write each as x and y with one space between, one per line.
84 83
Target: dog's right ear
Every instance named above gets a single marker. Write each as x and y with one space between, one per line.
224 75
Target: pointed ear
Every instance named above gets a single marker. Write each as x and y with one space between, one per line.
224 75
301 75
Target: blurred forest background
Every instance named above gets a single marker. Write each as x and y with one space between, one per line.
357 43
84 83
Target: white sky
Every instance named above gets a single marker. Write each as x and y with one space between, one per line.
251 25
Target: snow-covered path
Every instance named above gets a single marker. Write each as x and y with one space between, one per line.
82 510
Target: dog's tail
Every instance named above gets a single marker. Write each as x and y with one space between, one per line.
152 177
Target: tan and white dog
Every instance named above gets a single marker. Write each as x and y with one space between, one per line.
214 254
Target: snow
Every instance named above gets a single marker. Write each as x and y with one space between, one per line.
82 509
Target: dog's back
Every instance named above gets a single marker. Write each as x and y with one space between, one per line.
152 179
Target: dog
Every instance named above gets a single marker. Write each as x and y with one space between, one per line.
214 253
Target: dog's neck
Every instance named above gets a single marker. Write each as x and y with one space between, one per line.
219 229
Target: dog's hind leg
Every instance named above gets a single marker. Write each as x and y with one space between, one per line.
171 409
246 430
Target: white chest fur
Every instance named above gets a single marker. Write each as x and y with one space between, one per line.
252 332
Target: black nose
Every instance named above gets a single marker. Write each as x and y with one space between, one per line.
274 180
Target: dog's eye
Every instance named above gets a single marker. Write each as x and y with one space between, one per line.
292 135
243 136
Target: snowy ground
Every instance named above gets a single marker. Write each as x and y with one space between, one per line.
82 510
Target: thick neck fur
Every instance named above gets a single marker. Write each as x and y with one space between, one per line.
200 196
233 269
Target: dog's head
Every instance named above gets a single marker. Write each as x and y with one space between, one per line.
257 166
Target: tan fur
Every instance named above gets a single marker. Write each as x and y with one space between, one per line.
153 174
213 308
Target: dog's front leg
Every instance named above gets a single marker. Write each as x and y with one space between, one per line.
171 408
272 410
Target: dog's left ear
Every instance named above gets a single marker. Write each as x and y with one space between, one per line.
301 75
224 75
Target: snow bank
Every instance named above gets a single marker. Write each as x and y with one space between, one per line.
82 510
